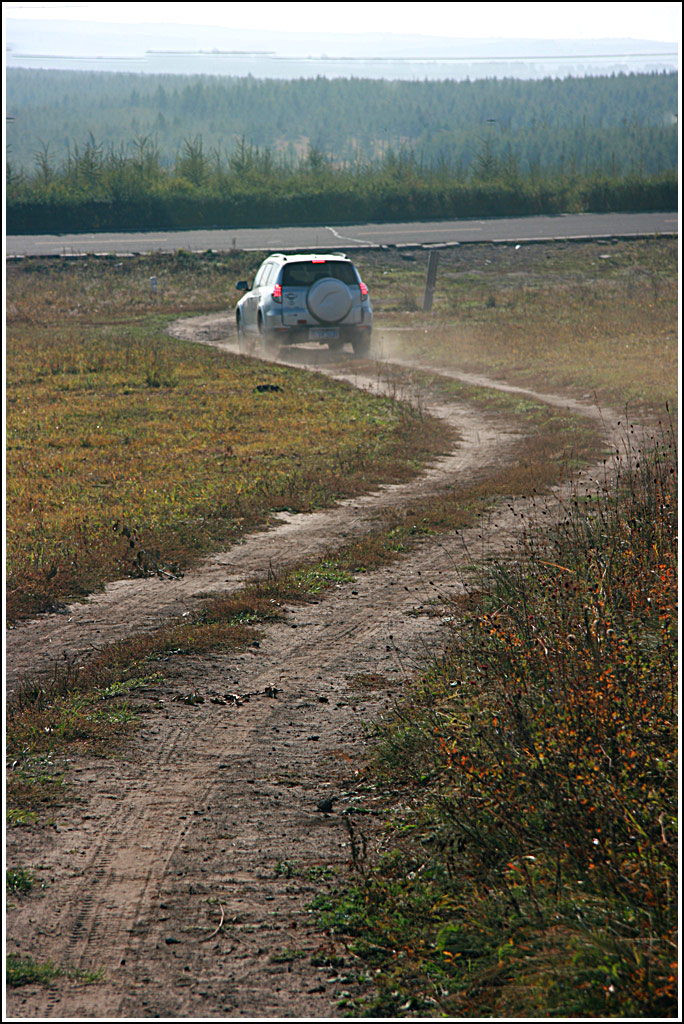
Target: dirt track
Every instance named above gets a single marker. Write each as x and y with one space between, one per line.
184 868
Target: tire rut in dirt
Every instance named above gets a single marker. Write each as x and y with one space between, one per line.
110 866
213 798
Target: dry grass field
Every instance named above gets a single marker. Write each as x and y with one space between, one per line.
129 452
586 317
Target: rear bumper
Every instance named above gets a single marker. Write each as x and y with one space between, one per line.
302 333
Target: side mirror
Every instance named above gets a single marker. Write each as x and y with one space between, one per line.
242 286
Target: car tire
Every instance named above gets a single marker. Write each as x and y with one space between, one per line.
361 344
245 344
268 341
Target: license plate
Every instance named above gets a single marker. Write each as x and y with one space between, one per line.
323 333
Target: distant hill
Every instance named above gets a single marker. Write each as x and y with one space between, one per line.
239 51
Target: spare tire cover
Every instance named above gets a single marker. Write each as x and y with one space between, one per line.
329 300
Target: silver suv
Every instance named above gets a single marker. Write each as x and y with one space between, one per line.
298 298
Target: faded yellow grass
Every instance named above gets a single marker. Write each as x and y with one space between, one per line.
590 318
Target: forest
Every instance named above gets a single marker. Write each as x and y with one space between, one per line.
135 150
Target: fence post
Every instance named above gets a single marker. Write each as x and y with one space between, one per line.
430 280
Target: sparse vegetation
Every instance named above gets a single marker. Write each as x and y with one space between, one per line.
20 881
35 779
24 970
27 971
288 956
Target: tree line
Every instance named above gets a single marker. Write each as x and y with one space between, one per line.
624 123
317 149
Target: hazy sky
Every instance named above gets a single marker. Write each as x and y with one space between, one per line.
656 21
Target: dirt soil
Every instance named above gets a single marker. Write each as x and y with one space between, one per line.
184 867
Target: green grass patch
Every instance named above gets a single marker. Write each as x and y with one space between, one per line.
19 816
20 881
22 970
36 779
533 843
312 580
79 710
287 956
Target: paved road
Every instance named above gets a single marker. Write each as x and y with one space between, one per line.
584 225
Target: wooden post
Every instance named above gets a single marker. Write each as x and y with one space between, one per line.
430 280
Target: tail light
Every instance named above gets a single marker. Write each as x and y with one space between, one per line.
364 290
277 294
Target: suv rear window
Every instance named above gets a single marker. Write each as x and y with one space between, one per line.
302 275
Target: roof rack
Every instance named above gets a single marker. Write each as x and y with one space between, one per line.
331 252
307 255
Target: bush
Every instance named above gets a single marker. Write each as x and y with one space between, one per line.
540 761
